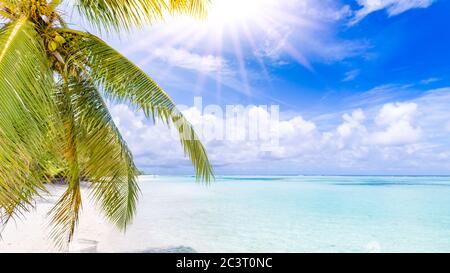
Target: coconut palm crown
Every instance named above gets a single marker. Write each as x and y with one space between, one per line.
53 118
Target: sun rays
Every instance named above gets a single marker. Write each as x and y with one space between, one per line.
249 36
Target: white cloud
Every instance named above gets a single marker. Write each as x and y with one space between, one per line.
277 38
179 57
310 26
351 75
324 10
351 123
397 137
331 50
145 140
397 134
397 120
430 80
393 7
395 112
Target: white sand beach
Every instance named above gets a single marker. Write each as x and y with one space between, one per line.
29 232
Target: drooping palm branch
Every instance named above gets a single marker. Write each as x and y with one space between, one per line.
54 121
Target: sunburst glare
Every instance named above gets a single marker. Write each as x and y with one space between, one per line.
230 12
238 40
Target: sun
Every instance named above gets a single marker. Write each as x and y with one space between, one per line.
237 34
230 12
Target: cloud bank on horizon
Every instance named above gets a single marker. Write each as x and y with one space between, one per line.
395 137
362 86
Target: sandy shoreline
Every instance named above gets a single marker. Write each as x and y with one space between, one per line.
29 232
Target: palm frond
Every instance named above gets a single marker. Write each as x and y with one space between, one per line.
196 8
25 117
108 164
64 215
124 15
94 151
123 81
118 15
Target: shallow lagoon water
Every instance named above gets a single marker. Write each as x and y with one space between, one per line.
295 214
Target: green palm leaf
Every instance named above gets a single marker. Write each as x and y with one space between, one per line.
108 164
64 215
95 152
123 81
26 115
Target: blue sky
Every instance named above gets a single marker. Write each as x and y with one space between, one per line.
363 86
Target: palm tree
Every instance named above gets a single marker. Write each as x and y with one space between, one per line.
53 118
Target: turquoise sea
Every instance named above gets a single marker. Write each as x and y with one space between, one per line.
292 214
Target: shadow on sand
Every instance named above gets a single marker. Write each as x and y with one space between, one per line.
173 249
90 246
